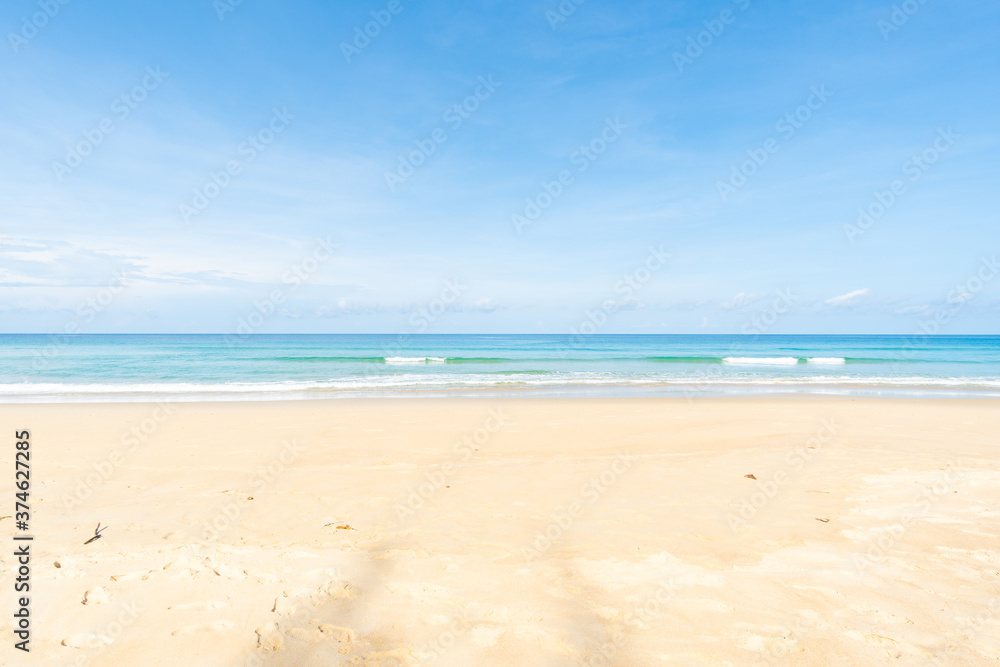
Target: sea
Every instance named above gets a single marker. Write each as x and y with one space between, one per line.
123 367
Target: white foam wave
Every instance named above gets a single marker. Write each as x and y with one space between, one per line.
827 361
416 382
761 361
414 360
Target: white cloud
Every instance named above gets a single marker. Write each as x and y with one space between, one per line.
486 304
740 300
848 299
964 297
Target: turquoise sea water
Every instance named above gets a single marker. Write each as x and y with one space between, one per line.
188 367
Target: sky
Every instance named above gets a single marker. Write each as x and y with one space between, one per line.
397 166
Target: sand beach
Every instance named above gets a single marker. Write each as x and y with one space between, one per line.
605 531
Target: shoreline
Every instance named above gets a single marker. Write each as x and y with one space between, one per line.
508 397
567 392
514 531
195 368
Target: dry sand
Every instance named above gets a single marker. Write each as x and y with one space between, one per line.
585 531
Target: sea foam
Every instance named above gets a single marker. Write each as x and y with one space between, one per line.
414 360
761 361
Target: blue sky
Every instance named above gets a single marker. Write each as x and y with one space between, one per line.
643 108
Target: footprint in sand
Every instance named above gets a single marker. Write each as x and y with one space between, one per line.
214 626
285 606
335 590
340 633
292 601
95 596
269 637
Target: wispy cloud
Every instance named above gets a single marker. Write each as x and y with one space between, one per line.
486 304
849 299
740 300
119 210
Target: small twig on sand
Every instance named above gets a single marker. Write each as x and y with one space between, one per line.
97 534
